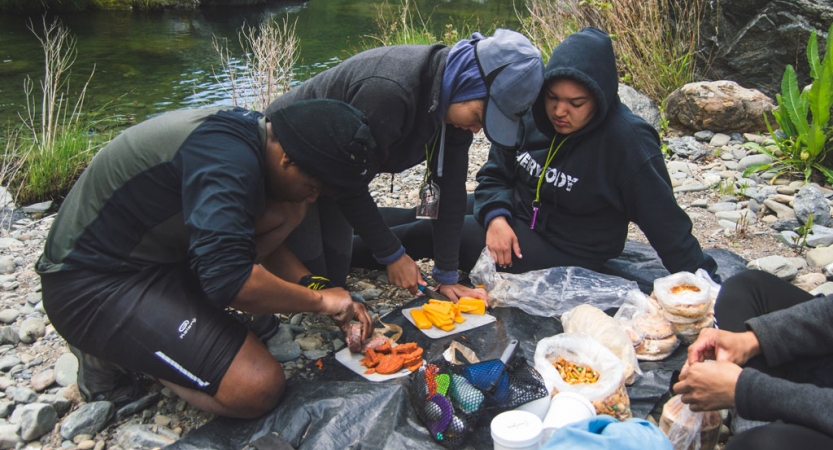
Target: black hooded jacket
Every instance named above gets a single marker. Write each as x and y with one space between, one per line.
605 175
398 89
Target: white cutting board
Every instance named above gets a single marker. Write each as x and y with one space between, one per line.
352 361
472 321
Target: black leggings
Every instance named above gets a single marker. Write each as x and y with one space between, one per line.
780 436
751 294
417 237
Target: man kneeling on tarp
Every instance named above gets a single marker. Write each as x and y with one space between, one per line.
176 228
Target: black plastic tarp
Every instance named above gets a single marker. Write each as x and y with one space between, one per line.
639 262
335 408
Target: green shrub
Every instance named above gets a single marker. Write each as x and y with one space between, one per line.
804 119
655 40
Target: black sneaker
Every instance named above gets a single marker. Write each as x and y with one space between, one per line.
264 326
99 380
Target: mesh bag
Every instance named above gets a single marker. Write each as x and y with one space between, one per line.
453 400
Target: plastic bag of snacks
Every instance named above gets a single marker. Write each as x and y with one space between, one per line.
688 430
595 323
575 362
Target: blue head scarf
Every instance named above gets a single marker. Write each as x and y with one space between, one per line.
461 79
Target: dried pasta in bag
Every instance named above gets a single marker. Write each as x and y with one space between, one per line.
607 394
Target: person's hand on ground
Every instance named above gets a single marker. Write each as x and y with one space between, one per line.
404 273
502 242
707 386
720 345
455 291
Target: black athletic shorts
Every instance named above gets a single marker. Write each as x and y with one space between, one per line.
157 321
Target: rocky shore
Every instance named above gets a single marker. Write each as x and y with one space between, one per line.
40 407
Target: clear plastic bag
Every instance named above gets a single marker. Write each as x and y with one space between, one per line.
714 288
688 430
651 334
608 394
595 323
549 292
684 296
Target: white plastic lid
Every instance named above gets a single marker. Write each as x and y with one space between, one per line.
516 429
577 398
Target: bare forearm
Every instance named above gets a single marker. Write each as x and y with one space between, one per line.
285 265
265 293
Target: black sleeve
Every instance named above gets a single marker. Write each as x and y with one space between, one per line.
496 180
221 179
448 227
762 397
802 330
650 203
361 212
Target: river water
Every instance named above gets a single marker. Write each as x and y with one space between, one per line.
156 62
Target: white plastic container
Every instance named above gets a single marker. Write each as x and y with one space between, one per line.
516 430
538 407
566 408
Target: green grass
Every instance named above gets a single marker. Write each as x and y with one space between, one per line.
406 25
50 175
654 54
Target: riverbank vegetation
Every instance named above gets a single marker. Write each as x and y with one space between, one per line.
405 24
25 7
57 136
265 71
655 41
805 137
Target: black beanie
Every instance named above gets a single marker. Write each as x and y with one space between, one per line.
328 139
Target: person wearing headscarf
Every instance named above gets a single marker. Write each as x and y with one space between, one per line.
423 104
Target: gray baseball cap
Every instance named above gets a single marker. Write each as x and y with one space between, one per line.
514 73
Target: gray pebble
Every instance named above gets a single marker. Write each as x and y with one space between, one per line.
66 369
286 351
704 135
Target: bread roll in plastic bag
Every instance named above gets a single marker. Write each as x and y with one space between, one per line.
688 430
683 294
595 323
652 334
608 394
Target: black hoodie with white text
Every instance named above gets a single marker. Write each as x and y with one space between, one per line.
605 175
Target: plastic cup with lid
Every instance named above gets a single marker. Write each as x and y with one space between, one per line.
516 430
566 408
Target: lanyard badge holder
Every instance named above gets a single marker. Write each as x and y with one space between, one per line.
536 204
429 201
429 193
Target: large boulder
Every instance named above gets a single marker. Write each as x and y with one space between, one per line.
640 104
719 106
752 41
